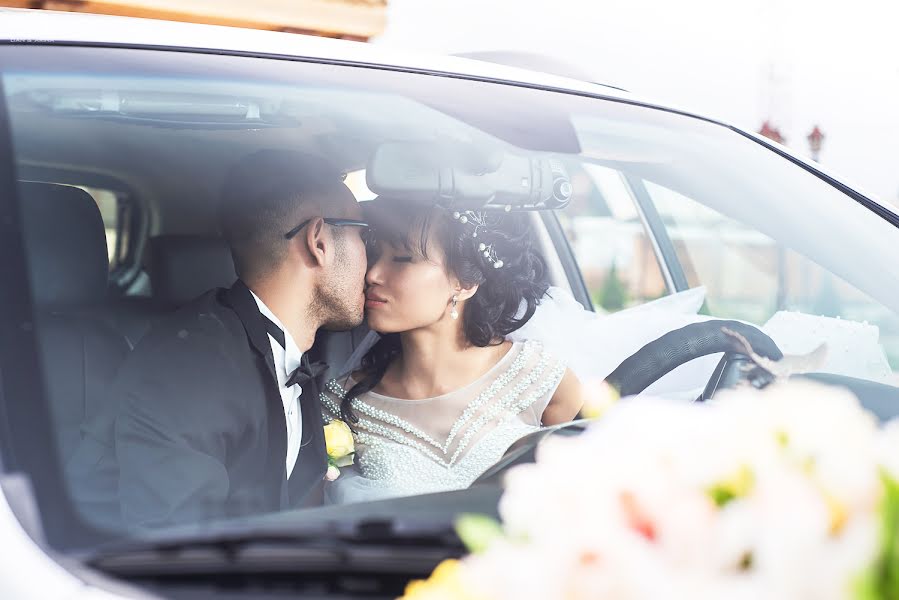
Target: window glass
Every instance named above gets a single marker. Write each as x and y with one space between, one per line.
614 251
114 222
668 211
749 276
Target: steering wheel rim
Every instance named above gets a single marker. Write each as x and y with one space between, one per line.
660 356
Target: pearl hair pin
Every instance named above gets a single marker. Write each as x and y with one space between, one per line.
478 221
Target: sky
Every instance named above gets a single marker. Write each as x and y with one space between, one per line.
797 63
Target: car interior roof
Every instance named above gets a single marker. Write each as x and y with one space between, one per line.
177 174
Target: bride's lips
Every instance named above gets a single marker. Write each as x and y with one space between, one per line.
374 301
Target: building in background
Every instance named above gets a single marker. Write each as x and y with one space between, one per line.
345 19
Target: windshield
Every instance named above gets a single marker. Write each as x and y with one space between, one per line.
154 194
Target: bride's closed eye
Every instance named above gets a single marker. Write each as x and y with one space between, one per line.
402 259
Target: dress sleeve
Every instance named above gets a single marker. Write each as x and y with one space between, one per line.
551 371
331 397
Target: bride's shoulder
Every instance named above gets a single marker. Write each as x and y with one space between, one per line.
331 396
531 347
533 353
335 387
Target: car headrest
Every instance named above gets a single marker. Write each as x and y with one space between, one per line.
65 243
183 267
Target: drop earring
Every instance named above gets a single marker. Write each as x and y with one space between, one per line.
455 313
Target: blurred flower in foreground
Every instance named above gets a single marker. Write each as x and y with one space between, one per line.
790 492
600 398
445 583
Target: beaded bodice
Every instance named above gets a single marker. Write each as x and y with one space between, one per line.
406 447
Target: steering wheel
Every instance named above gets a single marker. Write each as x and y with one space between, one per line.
656 359
660 356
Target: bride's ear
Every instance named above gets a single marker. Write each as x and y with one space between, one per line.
464 293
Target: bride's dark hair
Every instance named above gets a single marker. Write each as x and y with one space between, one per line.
494 310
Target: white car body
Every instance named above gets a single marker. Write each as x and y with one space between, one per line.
33 571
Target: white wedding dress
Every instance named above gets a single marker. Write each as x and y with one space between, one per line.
409 447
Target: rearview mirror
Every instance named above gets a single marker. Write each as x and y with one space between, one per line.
461 177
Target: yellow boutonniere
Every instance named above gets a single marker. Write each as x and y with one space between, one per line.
340 446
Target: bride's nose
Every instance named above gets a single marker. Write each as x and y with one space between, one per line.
373 274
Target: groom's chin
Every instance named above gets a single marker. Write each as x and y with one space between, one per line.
346 323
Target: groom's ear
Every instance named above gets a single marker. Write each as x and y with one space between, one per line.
313 241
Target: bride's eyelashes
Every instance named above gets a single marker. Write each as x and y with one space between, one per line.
402 259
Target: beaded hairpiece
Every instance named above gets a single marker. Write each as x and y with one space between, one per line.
477 222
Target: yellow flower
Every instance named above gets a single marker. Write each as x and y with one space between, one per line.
445 583
837 511
736 486
339 442
599 397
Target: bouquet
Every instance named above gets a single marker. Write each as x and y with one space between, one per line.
786 493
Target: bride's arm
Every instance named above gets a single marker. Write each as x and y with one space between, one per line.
566 402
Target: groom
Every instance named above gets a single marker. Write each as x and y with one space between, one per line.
220 414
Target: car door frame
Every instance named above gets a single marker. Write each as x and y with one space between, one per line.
30 449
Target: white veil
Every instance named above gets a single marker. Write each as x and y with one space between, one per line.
594 344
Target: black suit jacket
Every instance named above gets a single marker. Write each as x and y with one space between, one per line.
201 431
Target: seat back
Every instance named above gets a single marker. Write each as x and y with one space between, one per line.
65 246
180 267
183 267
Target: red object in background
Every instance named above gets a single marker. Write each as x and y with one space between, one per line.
815 140
771 132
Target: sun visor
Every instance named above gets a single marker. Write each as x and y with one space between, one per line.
458 176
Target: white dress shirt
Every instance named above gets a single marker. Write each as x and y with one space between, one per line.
287 359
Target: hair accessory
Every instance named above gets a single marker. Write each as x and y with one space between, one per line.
478 222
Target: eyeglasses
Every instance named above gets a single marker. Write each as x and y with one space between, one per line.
335 222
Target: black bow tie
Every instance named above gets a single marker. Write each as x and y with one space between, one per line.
307 371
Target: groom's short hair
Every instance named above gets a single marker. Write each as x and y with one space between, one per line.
263 195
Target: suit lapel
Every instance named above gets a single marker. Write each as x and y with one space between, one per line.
239 298
313 459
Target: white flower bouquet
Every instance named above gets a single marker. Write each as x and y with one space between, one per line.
790 493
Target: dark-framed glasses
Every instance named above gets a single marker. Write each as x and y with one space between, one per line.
335 222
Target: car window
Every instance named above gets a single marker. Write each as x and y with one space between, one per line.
116 222
612 246
750 276
652 218
116 216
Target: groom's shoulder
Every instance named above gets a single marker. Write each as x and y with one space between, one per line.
204 321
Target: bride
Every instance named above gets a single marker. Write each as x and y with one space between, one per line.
443 393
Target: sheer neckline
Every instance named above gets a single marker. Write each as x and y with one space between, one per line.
516 346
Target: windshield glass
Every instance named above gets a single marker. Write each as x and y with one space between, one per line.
199 327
